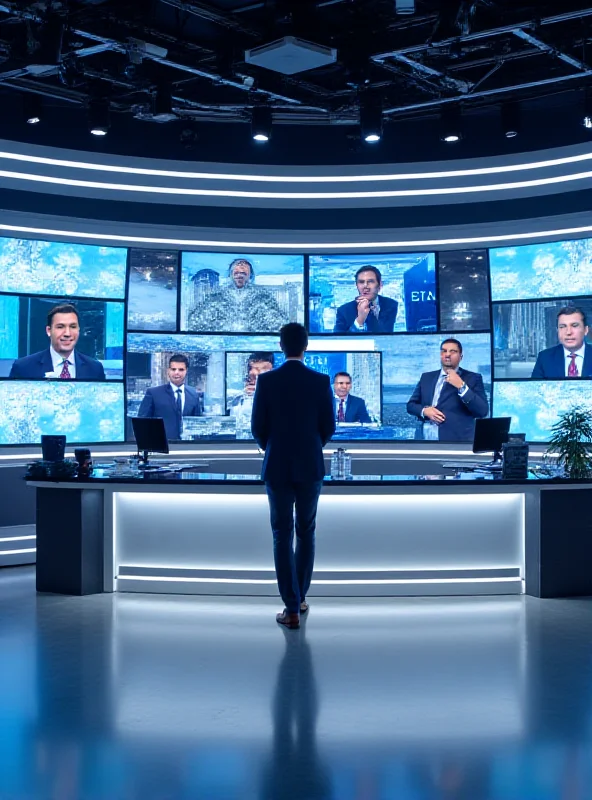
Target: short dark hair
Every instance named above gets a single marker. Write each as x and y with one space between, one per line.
259 355
567 310
370 268
179 358
62 308
241 261
452 341
293 339
339 374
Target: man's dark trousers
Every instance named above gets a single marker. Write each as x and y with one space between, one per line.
293 569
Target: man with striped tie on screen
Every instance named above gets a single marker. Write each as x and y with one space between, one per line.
572 357
61 360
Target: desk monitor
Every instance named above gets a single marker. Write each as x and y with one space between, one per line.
150 435
490 435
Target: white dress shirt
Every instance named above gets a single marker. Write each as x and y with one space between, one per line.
175 388
57 361
579 359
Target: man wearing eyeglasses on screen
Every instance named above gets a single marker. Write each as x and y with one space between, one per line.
572 357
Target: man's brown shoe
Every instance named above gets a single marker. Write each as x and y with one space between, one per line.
291 621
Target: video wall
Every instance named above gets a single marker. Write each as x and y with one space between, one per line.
417 345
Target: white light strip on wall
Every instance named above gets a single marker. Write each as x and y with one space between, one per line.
16 552
179 191
16 538
353 582
222 176
304 246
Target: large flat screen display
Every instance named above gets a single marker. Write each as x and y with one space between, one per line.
417 345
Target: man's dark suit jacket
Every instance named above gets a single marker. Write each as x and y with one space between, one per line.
37 364
355 410
460 412
347 313
159 401
550 363
292 420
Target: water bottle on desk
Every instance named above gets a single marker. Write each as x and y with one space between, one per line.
337 464
347 462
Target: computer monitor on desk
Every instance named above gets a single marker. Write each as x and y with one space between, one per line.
150 436
491 435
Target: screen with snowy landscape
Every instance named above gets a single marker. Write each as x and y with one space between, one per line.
151 320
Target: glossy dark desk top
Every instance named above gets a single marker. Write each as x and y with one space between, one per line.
187 476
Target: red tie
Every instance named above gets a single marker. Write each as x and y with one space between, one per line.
341 412
65 373
572 370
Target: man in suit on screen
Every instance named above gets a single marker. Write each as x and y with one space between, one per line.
448 400
173 400
348 407
292 421
572 357
370 312
61 359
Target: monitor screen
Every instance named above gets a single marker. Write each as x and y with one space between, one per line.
240 293
372 294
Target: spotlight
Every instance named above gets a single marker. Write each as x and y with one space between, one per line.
371 120
511 120
587 115
98 116
451 124
261 123
405 6
33 109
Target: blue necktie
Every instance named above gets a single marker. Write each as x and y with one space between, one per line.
179 406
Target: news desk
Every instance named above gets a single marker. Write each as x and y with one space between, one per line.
208 533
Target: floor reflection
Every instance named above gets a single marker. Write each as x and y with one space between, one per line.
154 697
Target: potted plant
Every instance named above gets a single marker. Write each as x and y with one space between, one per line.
571 442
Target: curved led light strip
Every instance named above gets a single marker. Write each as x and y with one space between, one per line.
175 190
306 246
221 176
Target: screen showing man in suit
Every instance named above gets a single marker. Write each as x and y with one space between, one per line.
572 357
348 407
173 400
447 401
370 312
60 360
241 405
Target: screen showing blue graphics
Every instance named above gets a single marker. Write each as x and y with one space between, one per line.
238 293
535 405
152 295
395 293
147 322
553 269
58 268
359 384
23 334
83 412
528 338
406 358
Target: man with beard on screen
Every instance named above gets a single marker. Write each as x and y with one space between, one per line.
239 306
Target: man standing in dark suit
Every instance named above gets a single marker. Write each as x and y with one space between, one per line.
348 407
370 312
61 359
448 400
292 421
572 357
172 401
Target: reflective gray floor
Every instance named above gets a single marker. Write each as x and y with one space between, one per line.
140 696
